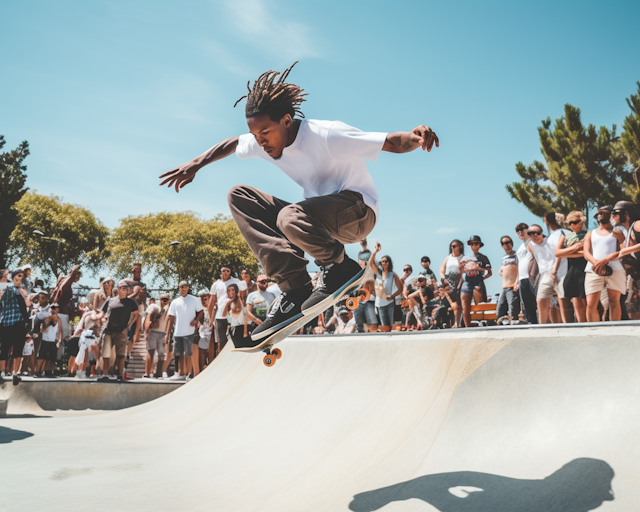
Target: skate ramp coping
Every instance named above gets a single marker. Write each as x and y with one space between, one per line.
480 420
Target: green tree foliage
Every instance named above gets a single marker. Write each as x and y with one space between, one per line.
584 167
72 235
631 129
206 246
13 176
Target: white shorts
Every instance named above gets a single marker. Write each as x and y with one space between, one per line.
594 283
548 287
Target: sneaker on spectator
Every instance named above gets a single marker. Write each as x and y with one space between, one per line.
152 375
145 376
16 379
284 310
164 375
126 377
3 374
104 378
333 279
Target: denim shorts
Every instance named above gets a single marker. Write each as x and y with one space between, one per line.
182 345
365 313
470 283
386 314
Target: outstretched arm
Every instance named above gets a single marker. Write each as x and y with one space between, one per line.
184 174
403 142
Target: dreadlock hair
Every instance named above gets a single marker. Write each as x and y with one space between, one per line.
273 98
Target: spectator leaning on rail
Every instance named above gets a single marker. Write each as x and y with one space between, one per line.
476 268
509 301
525 286
121 313
603 270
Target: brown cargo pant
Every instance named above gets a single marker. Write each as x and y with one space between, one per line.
279 233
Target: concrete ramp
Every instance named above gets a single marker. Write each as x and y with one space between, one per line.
506 419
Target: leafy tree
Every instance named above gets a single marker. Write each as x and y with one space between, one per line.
205 246
13 176
631 129
72 235
584 167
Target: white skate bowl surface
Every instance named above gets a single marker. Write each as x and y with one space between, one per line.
521 420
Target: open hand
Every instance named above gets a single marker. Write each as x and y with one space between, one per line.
179 177
425 136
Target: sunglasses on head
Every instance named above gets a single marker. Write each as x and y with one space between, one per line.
532 233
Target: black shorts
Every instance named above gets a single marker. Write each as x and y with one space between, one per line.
72 346
48 351
12 338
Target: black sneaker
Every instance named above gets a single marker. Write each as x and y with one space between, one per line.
16 380
334 280
284 310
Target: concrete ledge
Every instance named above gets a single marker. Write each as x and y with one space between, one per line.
67 394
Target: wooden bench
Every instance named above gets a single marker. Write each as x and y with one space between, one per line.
484 312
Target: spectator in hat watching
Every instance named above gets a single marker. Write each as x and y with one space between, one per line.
186 312
364 254
121 313
525 286
509 300
343 324
155 327
603 270
475 268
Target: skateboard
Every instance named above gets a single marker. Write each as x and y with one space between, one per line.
362 283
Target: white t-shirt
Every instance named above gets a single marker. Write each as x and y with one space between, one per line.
552 243
524 257
326 157
184 309
219 291
28 348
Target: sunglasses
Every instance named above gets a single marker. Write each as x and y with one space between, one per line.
406 270
574 222
53 307
164 300
533 233
262 281
520 230
474 243
507 243
617 212
384 261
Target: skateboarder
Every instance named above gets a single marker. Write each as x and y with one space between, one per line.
340 206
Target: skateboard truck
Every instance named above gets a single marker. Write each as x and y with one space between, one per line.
272 356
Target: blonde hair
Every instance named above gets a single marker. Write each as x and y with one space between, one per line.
576 215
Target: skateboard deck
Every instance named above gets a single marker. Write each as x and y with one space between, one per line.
362 283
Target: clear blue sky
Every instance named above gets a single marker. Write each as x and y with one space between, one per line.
111 94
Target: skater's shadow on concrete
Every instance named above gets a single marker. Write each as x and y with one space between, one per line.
579 486
8 435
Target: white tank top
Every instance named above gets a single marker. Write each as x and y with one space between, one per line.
602 246
453 264
545 255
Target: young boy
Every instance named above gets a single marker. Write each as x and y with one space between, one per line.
340 206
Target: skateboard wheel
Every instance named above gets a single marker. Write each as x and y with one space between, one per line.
365 295
277 353
352 303
269 360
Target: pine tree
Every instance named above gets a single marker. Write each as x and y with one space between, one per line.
13 175
584 167
631 129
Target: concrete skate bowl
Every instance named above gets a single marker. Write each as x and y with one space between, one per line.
508 419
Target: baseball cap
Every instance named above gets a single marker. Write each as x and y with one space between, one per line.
203 293
343 311
624 205
182 283
606 208
123 282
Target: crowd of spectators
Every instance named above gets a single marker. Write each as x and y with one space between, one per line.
567 275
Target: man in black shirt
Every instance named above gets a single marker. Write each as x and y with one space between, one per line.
122 313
